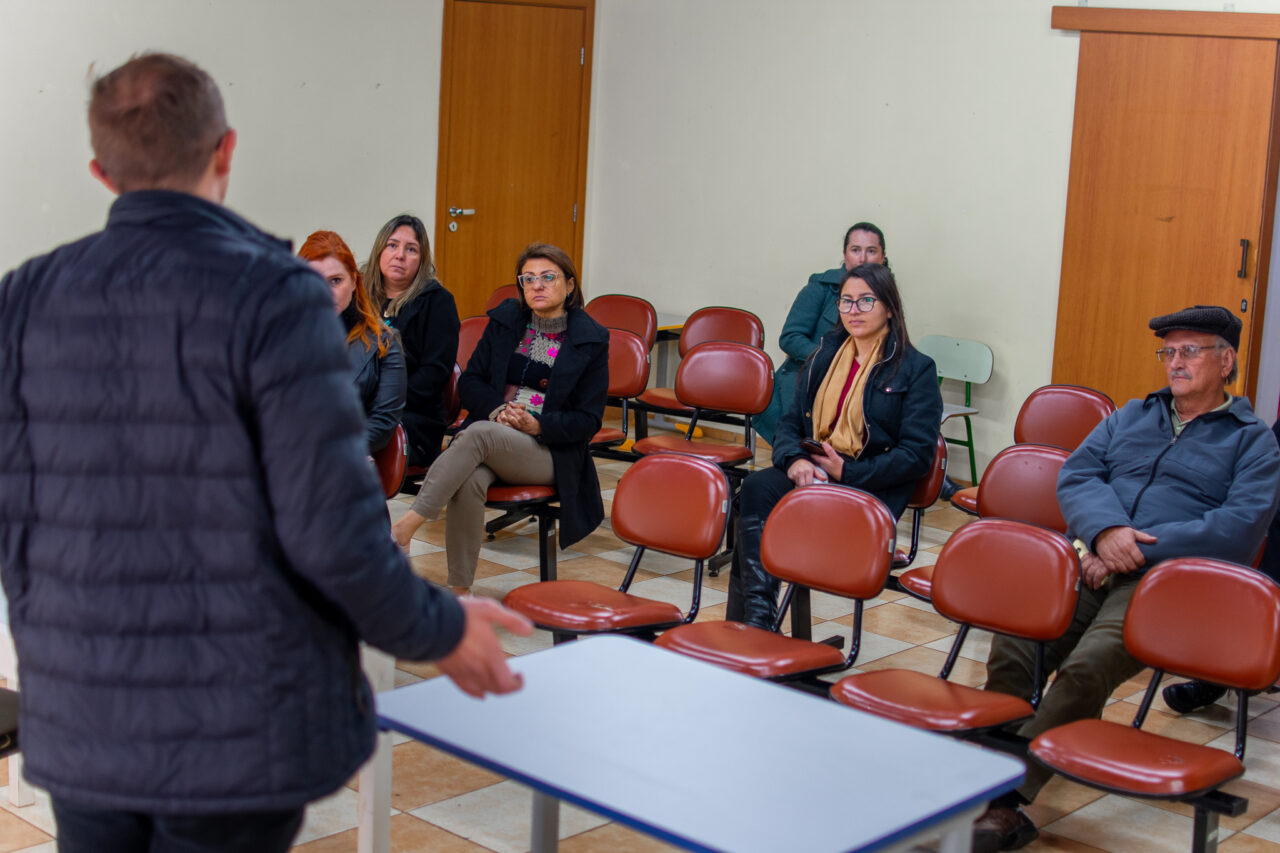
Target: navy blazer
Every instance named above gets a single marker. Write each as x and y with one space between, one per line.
902 409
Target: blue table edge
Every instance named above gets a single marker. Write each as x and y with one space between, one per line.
663 835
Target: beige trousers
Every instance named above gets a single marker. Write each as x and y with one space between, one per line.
459 478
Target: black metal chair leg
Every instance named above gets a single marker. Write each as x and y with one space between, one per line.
1204 833
546 547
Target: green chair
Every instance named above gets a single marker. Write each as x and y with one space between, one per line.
963 361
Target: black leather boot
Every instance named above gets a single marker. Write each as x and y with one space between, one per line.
753 592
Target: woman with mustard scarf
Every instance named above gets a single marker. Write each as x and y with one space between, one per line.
871 400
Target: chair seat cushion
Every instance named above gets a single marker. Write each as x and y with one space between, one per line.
749 650
901 559
927 702
918 582
608 435
721 454
585 606
506 494
1122 758
662 398
966 499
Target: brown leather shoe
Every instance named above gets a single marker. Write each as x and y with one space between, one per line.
1002 828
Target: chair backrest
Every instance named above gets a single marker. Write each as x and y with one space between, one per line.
1009 577
1235 612
957 358
628 363
1060 415
452 399
833 538
506 291
718 323
724 376
620 311
1021 482
391 461
672 503
469 333
929 487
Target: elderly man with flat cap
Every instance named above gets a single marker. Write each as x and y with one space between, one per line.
1189 471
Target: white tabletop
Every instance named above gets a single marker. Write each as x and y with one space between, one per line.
702 757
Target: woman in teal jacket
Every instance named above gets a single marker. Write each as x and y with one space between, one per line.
812 315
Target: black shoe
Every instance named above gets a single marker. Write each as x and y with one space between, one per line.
1002 828
1192 695
949 488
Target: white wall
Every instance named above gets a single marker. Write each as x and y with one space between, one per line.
732 142
333 134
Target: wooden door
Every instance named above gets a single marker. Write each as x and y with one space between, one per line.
515 88
1171 167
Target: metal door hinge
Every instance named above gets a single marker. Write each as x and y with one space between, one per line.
575 212
582 56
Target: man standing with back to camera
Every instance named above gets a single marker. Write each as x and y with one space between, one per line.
191 537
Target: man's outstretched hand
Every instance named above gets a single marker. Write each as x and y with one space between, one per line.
478 665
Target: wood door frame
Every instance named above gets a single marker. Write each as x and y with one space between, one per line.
1248 25
446 103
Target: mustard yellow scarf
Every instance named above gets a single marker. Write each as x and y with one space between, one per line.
849 433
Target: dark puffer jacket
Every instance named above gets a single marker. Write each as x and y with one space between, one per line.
191 537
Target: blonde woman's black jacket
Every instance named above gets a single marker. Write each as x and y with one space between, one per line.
192 539
902 409
573 410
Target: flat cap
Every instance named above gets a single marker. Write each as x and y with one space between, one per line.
1211 319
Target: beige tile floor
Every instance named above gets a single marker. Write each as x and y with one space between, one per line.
443 804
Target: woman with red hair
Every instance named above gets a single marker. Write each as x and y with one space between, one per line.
372 347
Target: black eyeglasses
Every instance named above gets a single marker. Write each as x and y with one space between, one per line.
862 304
1189 352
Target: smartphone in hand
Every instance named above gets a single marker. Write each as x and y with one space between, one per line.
808 445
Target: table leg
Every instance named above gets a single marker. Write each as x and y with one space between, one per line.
957 833
373 809
546 823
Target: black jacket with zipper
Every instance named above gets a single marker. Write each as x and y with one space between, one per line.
902 409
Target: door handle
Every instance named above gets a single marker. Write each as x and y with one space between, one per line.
462 211
1244 257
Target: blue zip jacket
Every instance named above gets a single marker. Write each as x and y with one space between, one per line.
1210 492
191 537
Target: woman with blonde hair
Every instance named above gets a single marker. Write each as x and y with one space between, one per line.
401 282
372 347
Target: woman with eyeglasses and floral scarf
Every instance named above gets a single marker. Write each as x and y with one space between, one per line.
535 391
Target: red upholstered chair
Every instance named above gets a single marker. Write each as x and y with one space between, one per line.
998 575
706 324
628 376
831 538
1055 415
501 294
391 460
1020 483
922 497
631 313
1235 643
520 502
718 376
469 332
671 503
